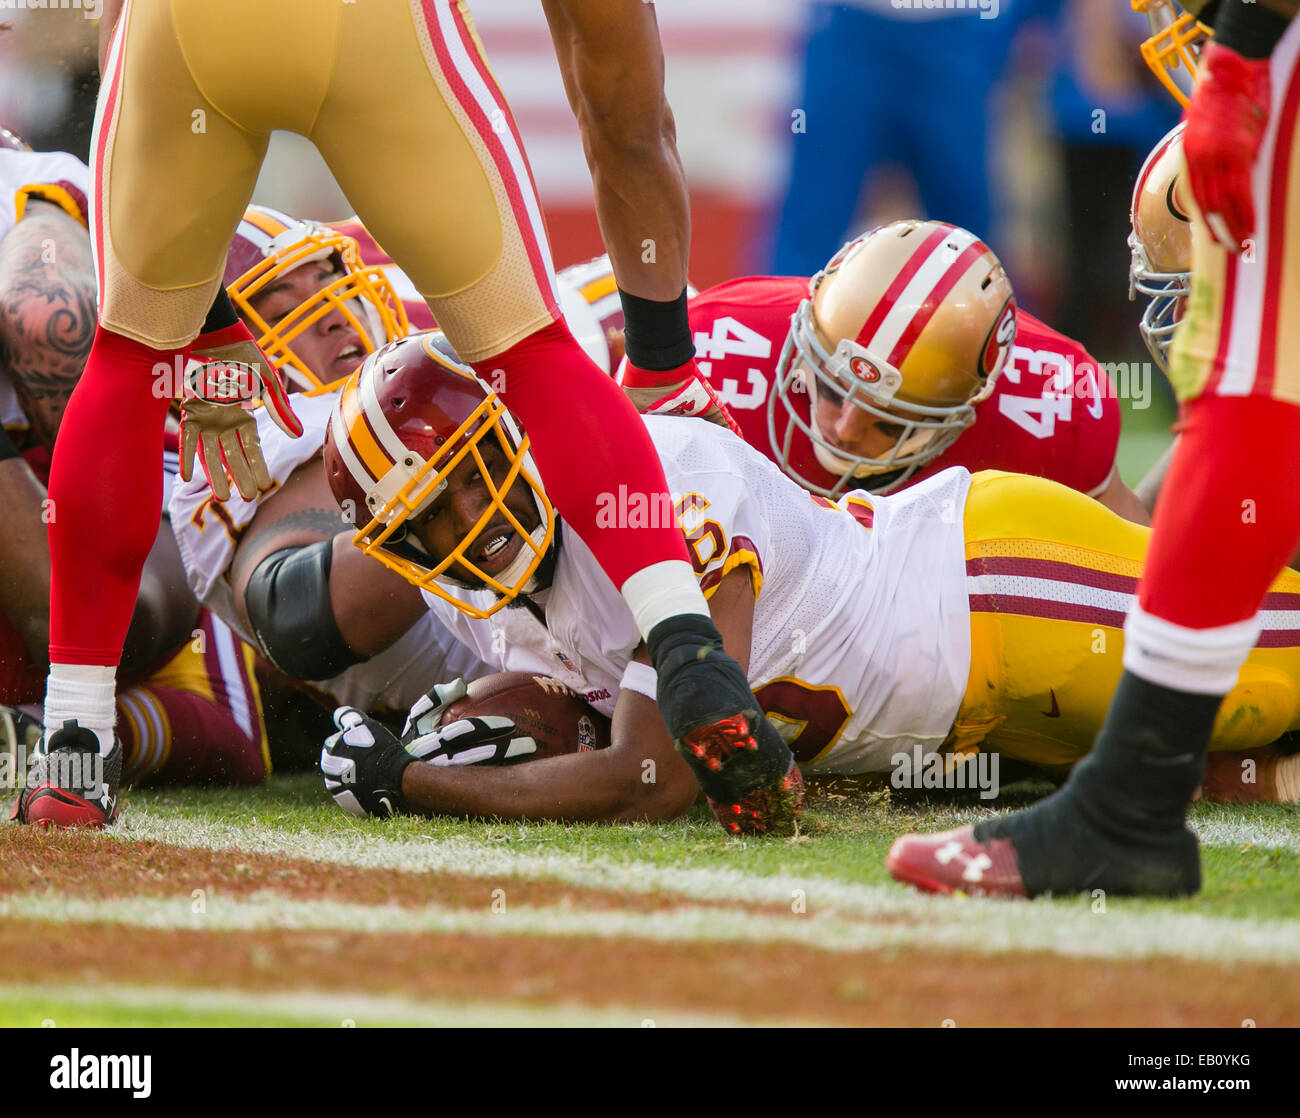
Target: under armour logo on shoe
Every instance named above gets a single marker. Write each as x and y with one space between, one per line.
974 867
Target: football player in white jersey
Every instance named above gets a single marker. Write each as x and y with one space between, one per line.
279 567
874 630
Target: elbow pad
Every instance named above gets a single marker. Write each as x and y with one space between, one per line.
288 601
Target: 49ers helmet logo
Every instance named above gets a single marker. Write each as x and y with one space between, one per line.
864 370
998 344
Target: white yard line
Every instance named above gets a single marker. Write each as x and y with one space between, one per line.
343 1009
846 916
1233 832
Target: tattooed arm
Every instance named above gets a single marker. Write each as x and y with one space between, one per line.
47 312
372 605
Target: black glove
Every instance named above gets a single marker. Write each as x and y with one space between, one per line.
363 765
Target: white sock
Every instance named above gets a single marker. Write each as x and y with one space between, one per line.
1200 661
663 590
84 692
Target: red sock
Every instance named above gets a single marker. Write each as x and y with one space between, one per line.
1228 519
178 737
106 498
587 440
633 377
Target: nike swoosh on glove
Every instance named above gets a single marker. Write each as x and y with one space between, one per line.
1226 120
222 386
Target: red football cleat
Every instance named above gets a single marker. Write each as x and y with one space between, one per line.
954 862
730 748
70 784
764 811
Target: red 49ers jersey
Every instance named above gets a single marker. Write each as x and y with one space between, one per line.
1052 412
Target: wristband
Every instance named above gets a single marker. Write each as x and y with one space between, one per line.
657 336
1251 29
220 315
641 678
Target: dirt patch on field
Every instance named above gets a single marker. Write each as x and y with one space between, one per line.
752 981
88 865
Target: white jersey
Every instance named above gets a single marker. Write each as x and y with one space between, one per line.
861 637
207 532
56 177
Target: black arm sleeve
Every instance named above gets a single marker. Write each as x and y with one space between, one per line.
1249 28
288 601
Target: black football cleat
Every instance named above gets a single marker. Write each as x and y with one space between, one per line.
70 784
744 767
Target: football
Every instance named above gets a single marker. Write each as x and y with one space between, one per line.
541 707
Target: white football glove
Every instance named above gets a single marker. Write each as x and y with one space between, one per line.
428 709
483 739
221 389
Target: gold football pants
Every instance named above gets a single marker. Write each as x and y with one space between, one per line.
1051 574
398 98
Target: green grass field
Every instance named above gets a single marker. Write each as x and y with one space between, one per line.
1145 435
1251 853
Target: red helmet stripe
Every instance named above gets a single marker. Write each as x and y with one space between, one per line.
904 277
938 293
